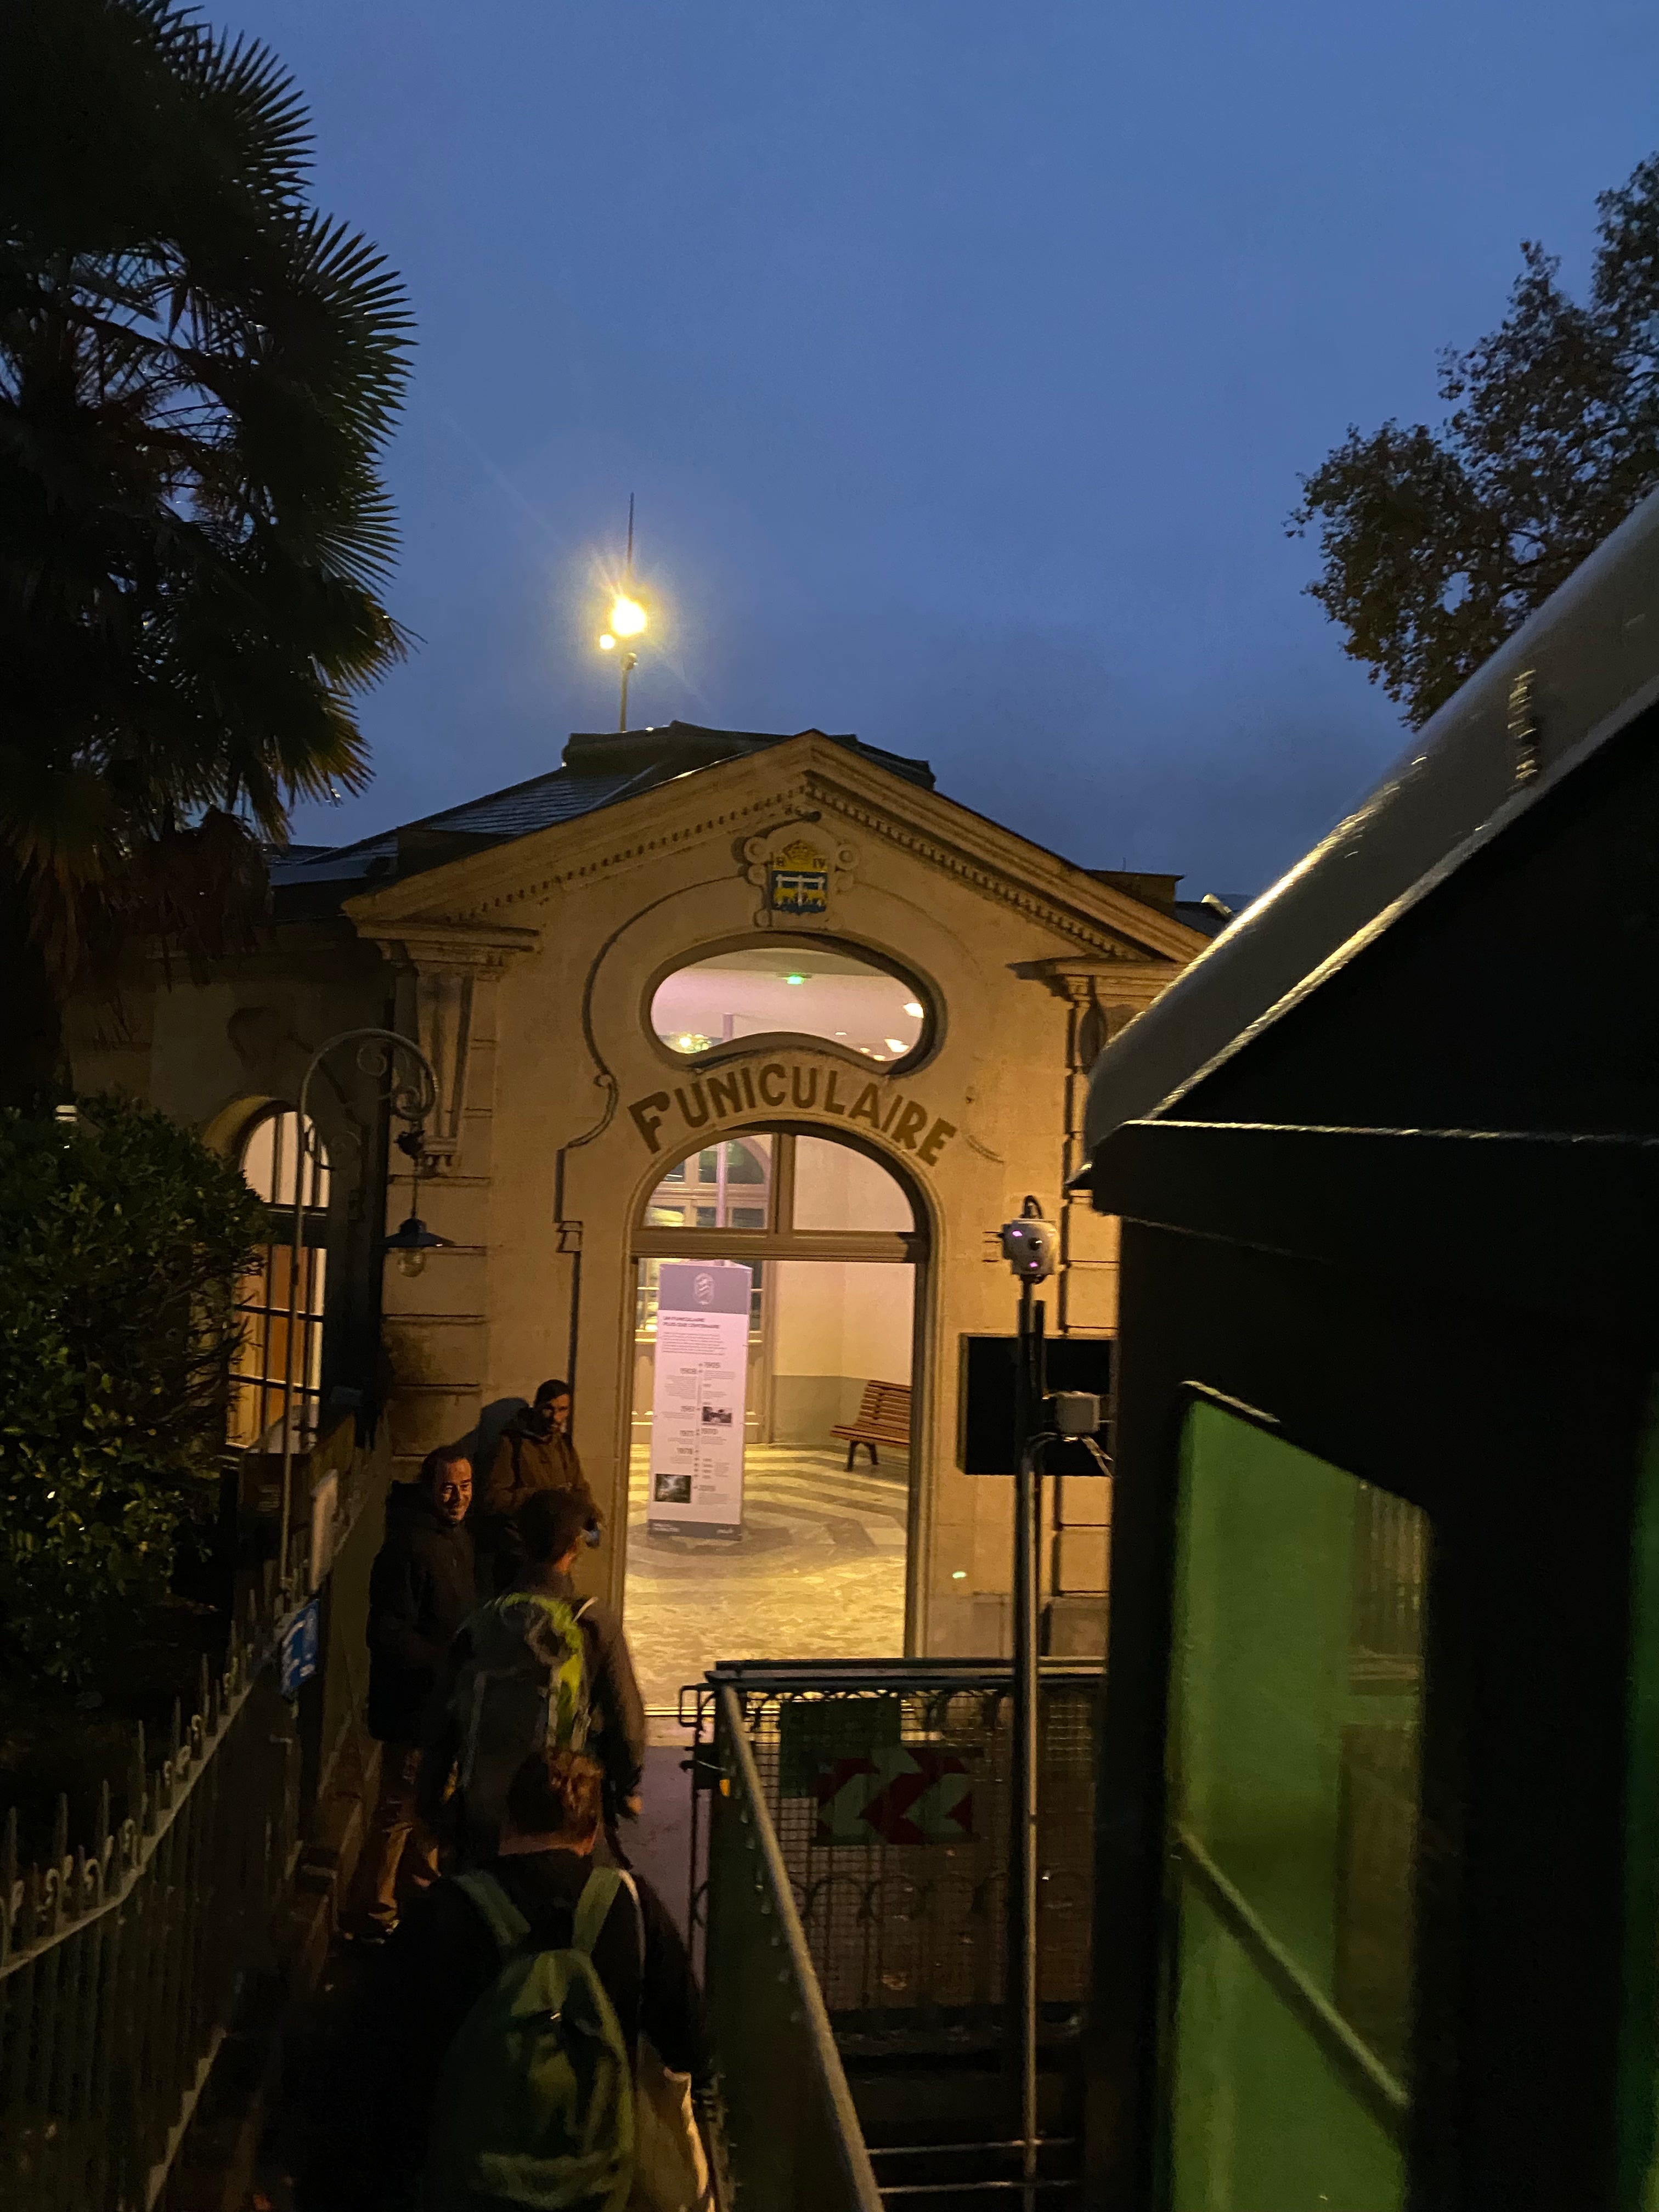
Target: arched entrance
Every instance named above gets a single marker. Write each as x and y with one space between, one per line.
777 1276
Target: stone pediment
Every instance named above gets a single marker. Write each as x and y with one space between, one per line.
805 809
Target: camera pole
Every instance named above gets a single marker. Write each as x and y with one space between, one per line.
1023 1868
1029 1246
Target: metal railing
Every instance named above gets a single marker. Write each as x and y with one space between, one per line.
121 1961
886 1784
791 2133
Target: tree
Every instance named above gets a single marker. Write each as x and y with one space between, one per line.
198 371
1436 544
123 1238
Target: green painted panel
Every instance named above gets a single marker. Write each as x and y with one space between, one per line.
1293 1771
1261 2121
1638 2071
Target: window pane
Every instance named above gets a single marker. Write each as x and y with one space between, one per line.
1295 1734
839 1188
258 1159
808 990
271 1160
723 1186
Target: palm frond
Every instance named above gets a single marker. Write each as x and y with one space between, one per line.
199 374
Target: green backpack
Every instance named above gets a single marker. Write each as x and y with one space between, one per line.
524 1685
535 2103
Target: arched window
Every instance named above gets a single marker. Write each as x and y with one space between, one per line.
775 989
279 1166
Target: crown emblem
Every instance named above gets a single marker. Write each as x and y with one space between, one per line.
800 854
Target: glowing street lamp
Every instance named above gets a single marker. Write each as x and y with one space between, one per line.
627 620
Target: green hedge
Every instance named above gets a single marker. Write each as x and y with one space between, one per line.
121 1238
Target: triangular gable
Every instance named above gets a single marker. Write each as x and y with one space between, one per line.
750 794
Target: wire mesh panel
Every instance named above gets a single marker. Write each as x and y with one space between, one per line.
789 2129
887 1786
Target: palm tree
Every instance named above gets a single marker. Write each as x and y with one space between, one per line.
198 372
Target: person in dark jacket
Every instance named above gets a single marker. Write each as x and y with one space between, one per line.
535 1453
553 1526
444 1958
420 1589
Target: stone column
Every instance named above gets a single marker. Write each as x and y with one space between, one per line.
435 1322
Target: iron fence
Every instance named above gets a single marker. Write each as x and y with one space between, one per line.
886 1785
122 1962
790 2132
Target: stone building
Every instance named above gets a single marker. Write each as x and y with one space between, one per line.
738 999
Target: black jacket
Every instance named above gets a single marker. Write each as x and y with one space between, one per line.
420 1591
617 1708
443 1957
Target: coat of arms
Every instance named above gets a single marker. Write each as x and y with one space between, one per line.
797 873
797 880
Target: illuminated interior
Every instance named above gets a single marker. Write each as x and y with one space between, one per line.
817 1568
811 990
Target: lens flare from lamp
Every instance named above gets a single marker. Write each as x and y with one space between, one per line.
607 643
626 616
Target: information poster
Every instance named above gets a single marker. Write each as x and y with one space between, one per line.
697 1406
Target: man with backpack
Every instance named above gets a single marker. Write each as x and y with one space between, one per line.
537 1668
528 2017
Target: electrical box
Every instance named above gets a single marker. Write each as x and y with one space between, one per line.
985 1400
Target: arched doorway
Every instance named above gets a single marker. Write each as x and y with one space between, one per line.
781 1268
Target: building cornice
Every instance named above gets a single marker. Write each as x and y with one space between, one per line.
433 943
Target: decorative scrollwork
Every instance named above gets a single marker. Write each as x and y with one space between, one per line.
411 1097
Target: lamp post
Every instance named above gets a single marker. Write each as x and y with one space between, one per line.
627 620
411 1101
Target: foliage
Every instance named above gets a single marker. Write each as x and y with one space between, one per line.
1436 544
121 1236
198 371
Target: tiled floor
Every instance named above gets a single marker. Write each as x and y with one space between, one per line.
818 1572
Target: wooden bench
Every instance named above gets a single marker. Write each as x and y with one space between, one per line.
884 1418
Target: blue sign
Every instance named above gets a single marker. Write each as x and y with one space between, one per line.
298 1660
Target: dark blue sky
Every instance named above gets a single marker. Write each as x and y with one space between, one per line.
963 357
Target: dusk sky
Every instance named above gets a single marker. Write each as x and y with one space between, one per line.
964 360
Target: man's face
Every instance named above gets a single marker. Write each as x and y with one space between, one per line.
452 1490
559 1409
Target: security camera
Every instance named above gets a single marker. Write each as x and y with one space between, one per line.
1032 1245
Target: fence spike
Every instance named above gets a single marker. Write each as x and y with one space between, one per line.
137 1793
8 1884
